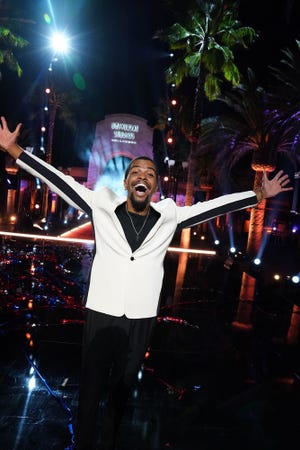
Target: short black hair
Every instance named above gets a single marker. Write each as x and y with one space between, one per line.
145 158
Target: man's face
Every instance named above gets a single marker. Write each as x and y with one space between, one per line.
141 184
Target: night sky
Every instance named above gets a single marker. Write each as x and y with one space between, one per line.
112 48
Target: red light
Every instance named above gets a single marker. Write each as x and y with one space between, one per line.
173 102
170 140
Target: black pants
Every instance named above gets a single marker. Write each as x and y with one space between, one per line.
113 351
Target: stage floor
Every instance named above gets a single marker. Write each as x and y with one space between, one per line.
205 385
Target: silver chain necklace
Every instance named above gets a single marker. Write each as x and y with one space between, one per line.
137 233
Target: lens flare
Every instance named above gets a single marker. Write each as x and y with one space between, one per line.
79 81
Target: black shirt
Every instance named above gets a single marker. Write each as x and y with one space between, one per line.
136 231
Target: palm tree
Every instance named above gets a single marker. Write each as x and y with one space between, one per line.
62 106
286 94
10 41
250 127
204 51
286 89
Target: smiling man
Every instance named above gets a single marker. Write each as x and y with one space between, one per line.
132 235
136 214
141 183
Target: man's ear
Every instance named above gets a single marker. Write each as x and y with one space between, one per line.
125 184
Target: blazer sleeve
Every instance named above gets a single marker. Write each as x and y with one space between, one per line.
207 210
74 193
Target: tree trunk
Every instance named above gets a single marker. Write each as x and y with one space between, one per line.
182 263
49 150
293 331
185 238
189 193
248 282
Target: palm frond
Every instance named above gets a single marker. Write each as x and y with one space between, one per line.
212 87
231 73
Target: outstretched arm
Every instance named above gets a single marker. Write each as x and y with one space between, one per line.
67 187
270 188
8 139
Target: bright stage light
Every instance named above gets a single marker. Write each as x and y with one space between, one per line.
296 279
60 43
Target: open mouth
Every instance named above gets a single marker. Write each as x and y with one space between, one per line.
140 188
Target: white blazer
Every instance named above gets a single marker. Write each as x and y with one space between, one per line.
122 282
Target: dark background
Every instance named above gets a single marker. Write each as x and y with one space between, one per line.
113 49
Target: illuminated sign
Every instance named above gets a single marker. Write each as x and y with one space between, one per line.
118 139
124 132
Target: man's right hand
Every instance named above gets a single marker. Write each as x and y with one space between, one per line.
8 139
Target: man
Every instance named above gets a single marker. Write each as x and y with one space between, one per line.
132 235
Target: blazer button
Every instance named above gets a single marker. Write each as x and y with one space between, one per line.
132 258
